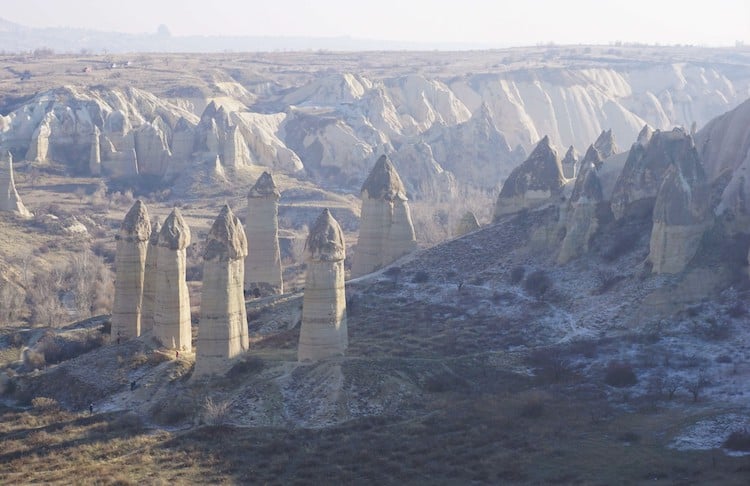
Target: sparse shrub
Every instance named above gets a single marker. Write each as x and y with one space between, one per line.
33 359
550 366
739 440
45 404
443 382
393 273
138 359
173 411
127 422
620 374
538 284
216 412
516 274
696 385
421 277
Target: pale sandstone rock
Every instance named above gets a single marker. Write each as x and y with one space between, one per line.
149 279
130 262
95 153
151 148
580 218
222 332
263 262
467 224
172 311
10 201
570 163
680 219
234 151
386 230
324 333
39 147
605 144
539 180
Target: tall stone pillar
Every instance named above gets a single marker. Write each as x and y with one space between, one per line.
172 312
386 232
222 333
263 262
149 279
130 262
10 201
95 153
323 333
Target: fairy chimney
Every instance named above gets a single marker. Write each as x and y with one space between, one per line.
538 181
222 332
10 201
263 262
95 153
386 232
149 279
172 303
130 263
323 333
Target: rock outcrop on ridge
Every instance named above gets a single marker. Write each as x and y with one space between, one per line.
386 230
324 332
605 144
172 303
647 164
130 264
222 331
536 182
263 262
581 217
10 201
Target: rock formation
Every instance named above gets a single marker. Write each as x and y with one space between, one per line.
605 144
172 311
10 201
537 181
467 224
95 154
386 231
323 333
263 262
222 332
39 147
581 220
149 279
570 163
680 218
130 263
647 163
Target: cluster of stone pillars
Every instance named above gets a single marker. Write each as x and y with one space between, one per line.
151 293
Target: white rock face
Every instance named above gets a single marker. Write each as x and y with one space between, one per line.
539 180
172 312
39 147
570 163
10 201
130 263
149 279
263 262
386 232
324 333
222 332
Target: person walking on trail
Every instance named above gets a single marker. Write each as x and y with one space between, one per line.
91 408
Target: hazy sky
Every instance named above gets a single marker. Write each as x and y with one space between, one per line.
520 22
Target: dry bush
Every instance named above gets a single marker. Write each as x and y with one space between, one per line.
533 404
33 359
216 412
59 348
538 284
173 411
250 364
45 404
138 359
620 374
